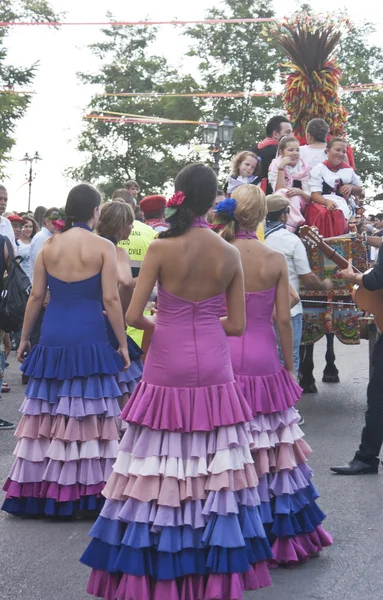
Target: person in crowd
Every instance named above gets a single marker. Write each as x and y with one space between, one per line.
289 176
17 223
332 183
47 230
28 232
4 348
188 400
39 215
290 514
136 245
266 150
138 214
133 188
115 224
378 224
314 152
68 434
153 208
210 214
244 169
279 238
5 225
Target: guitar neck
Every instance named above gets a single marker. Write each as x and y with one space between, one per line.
331 254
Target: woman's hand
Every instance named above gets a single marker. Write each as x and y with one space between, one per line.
292 375
285 162
293 192
346 190
331 205
24 350
123 352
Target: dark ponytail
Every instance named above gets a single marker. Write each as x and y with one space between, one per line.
80 204
199 185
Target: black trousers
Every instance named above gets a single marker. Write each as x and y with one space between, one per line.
372 434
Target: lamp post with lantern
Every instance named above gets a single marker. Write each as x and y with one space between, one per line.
217 136
29 160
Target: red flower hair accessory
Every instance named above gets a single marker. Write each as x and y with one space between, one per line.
173 203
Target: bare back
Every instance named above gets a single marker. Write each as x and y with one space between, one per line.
196 265
74 255
262 266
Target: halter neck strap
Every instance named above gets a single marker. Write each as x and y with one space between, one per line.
82 226
245 235
200 222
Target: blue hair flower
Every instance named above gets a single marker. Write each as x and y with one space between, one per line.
226 206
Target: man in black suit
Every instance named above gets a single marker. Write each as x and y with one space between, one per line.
366 459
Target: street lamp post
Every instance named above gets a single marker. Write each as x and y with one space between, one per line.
29 160
217 136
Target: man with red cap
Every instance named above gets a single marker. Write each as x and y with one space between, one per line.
153 208
17 225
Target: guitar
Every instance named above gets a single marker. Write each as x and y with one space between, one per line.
367 301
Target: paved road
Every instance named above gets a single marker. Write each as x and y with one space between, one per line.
39 559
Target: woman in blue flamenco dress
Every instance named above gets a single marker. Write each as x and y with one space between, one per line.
68 435
181 519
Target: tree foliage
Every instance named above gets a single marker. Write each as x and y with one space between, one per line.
120 151
238 58
362 62
13 106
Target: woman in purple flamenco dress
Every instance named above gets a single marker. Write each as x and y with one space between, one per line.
181 519
289 512
68 435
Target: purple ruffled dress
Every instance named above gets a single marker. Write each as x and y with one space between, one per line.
181 519
289 512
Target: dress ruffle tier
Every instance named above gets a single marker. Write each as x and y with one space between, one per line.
182 513
291 517
68 435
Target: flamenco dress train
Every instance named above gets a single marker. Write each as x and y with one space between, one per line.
181 519
289 512
68 435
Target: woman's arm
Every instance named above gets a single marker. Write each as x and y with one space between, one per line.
235 321
149 274
283 318
110 296
36 298
124 279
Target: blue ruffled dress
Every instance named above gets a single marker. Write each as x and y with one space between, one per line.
69 433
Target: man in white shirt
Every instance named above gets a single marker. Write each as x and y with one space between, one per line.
279 238
5 226
46 232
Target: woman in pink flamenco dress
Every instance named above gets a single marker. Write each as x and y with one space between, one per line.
289 512
181 519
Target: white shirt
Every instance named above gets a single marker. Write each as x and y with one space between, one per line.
312 156
24 251
36 244
292 247
7 229
321 175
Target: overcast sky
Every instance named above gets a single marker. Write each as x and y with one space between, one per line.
54 118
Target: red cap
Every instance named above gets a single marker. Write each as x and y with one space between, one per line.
16 218
151 204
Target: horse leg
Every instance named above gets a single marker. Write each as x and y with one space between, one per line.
306 376
330 373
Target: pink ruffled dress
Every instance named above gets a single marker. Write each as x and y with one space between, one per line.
181 519
289 512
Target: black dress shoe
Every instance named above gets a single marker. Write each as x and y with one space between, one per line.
356 467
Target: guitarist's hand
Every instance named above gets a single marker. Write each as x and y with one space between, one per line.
349 272
328 284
